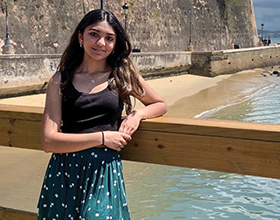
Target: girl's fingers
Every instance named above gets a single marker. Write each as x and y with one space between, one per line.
131 131
127 137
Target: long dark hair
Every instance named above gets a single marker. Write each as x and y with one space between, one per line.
124 74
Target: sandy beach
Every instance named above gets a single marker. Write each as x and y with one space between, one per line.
22 170
187 95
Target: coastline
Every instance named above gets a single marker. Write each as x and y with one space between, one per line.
228 91
186 95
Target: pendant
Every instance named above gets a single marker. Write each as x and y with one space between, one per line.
92 81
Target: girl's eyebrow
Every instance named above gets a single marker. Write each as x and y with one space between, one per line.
94 29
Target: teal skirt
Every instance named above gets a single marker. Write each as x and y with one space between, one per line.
84 185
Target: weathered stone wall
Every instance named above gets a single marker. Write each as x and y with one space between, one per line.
21 74
230 61
25 73
45 26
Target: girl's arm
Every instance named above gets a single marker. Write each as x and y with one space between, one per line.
54 141
155 106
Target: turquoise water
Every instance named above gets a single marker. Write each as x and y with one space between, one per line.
275 40
171 193
182 193
261 106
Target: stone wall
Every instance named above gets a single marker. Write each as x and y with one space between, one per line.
230 61
45 26
25 74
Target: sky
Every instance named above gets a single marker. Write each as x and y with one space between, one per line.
268 13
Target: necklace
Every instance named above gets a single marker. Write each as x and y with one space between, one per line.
91 80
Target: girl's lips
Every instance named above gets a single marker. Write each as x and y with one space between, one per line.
98 50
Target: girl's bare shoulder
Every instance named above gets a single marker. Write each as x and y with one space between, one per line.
56 78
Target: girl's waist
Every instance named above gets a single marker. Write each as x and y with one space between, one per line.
93 153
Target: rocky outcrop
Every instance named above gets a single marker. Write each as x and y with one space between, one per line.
45 26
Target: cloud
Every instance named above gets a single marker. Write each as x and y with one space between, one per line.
267 12
271 18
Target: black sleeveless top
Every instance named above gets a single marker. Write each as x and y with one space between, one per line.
83 113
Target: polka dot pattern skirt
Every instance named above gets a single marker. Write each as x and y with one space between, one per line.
85 185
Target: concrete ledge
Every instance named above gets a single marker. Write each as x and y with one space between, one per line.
161 64
29 73
231 61
25 74
22 74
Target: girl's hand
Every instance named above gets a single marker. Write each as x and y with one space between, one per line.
116 140
131 123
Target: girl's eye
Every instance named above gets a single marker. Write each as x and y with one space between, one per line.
110 38
93 34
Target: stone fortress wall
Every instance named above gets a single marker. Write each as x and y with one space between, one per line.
40 30
45 26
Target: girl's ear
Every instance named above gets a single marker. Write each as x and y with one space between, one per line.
80 38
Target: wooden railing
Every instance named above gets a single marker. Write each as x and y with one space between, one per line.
227 146
12 214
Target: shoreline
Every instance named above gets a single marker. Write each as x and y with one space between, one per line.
228 91
192 95
187 95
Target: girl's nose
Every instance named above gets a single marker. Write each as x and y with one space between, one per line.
101 41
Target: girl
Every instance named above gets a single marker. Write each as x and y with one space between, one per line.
82 123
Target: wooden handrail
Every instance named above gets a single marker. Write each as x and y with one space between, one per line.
227 146
12 214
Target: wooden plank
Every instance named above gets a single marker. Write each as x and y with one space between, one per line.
11 214
259 158
20 128
4 132
25 134
237 147
21 112
218 128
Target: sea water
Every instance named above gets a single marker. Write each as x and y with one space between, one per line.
172 193
275 40
169 193
261 106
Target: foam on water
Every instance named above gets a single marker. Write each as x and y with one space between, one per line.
260 106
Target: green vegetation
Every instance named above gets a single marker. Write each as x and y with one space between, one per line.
131 2
229 4
156 13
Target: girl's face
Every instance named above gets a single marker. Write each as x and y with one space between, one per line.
99 40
